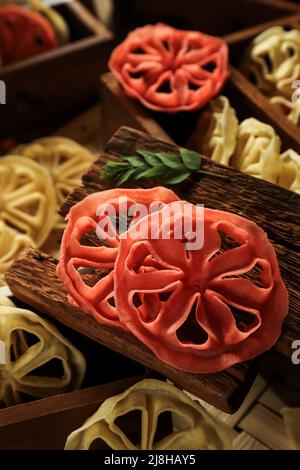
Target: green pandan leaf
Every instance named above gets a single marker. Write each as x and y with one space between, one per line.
166 167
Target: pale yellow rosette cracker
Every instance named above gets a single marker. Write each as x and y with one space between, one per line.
273 58
31 345
66 161
152 398
258 150
290 172
27 198
12 243
216 131
57 21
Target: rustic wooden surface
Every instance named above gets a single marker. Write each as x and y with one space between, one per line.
46 90
45 424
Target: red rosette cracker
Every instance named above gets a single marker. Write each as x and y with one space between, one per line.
23 34
93 215
200 310
170 70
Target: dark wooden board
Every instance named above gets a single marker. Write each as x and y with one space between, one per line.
46 90
273 208
45 424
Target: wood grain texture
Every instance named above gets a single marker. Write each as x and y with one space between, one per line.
45 424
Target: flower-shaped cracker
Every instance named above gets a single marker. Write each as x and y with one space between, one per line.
11 245
290 172
27 199
273 60
56 20
216 131
151 398
66 161
258 150
200 309
39 361
170 70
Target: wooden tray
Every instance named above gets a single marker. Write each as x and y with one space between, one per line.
267 204
46 90
45 424
120 110
238 43
214 17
